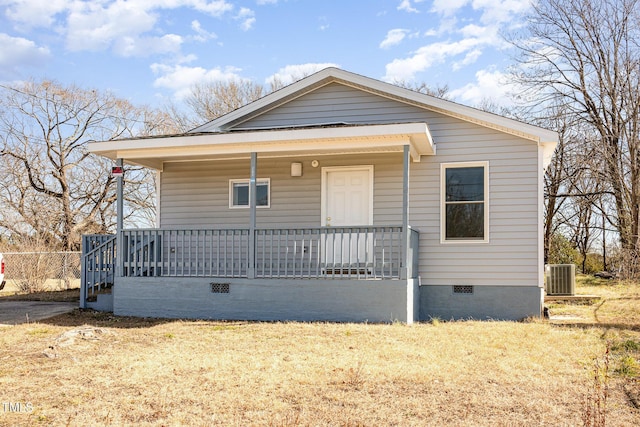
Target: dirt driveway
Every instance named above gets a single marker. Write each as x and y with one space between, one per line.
15 312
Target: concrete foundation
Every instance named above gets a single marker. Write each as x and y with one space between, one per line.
241 299
480 302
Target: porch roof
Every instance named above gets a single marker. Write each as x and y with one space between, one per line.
152 152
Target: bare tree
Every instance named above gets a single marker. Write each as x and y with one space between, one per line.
210 100
179 119
437 91
585 56
51 187
554 181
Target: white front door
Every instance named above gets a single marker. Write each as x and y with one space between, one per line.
347 202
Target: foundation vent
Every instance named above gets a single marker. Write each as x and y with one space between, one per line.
462 289
220 288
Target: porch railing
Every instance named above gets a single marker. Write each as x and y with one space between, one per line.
98 264
371 252
185 253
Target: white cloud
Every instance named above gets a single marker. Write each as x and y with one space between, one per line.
145 46
492 11
293 73
426 57
128 27
460 45
446 25
407 7
393 38
17 52
448 7
180 78
470 58
247 24
500 11
90 27
473 30
247 16
202 35
34 13
489 85
324 25
212 7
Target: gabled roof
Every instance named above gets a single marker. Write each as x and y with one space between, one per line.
335 75
225 137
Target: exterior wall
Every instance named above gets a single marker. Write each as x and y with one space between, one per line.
485 303
505 271
300 300
337 103
510 257
196 194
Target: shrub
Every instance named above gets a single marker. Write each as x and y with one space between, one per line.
561 251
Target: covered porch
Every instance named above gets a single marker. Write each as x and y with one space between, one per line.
222 257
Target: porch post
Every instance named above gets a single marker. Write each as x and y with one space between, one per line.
405 213
251 273
119 220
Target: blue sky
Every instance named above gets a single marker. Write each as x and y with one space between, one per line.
149 51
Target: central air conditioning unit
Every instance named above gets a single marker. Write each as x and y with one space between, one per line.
560 279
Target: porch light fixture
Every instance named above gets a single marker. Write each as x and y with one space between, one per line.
296 169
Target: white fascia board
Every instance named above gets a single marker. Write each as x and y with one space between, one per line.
416 135
462 112
548 149
450 108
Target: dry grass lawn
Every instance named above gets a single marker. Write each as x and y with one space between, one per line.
125 371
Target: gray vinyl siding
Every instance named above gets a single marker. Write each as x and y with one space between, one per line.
196 194
510 258
336 103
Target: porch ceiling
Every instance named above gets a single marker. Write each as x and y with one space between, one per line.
154 151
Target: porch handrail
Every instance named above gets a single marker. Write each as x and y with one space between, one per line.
183 252
413 255
349 252
341 252
98 264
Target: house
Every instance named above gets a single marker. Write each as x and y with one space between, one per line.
337 198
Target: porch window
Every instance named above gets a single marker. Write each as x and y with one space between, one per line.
464 214
239 193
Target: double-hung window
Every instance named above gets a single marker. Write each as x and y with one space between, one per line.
464 204
239 193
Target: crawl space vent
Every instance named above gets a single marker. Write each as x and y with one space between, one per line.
462 289
220 288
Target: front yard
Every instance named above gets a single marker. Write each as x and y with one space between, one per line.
90 368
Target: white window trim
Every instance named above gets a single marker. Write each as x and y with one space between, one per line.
443 227
246 181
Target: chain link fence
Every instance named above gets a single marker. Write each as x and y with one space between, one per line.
41 271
